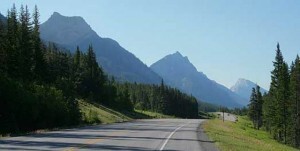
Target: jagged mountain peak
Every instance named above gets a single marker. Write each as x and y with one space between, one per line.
242 82
68 19
74 31
175 62
178 55
65 30
179 72
243 87
56 14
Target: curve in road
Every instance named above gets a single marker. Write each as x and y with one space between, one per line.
139 135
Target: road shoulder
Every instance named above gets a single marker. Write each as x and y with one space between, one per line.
205 142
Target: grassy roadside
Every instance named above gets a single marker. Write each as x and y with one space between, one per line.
240 136
153 114
95 113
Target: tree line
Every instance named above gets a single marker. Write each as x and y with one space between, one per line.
278 111
40 82
161 99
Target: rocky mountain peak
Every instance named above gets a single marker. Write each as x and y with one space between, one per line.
65 30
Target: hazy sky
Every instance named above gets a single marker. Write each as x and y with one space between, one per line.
225 39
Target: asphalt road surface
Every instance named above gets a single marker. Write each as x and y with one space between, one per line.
139 135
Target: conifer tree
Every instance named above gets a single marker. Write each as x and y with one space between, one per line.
26 53
279 95
40 66
77 57
3 52
293 120
252 112
13 53
258 107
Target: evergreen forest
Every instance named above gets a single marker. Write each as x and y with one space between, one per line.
41 82
278 111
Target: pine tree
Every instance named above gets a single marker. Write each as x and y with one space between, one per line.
13 53
163 100
3 53
40 66
252 112
92 77
279 95
26 53
258 107
294 119
77 57
283 104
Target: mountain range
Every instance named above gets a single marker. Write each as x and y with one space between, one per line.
244 87
71 32
176 70
2 18
179 72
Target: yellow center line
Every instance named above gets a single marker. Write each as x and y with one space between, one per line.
92 141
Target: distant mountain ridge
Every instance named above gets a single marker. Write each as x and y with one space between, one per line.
243 87
2 18
178 71
114 59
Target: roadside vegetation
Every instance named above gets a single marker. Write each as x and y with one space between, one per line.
278 111
150 114
241 136
95 114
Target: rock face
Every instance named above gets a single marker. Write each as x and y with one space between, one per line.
177 71
244 87
70 32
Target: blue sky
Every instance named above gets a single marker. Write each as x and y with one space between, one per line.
224 39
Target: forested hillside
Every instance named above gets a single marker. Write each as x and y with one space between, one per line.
41 83
114 59
279 110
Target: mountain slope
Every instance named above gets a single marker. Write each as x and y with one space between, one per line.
177 71
2 18
244 87
114 59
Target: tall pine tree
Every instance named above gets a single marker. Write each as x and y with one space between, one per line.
12 49
40 66
258 107
279 95
25 40
294 119
3 57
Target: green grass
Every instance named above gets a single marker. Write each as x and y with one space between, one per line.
95 113
153 114
241 136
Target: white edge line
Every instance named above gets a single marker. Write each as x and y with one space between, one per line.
166 141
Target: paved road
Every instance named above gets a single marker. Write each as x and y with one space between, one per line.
139 135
